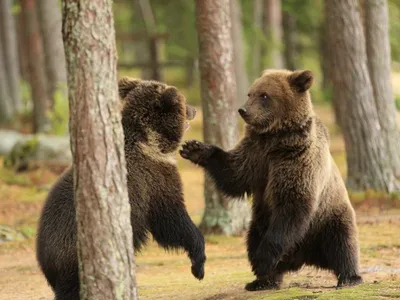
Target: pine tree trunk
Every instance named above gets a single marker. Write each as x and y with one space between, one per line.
378 52
256 61
290 39
10 53
242 80
274 32
218 93
50 25
6 111
368 160
105 244
37 75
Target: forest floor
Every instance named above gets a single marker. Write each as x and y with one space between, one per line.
162 275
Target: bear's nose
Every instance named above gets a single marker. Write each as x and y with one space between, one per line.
242 111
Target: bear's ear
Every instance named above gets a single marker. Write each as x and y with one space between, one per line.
126 84
301 81
170 98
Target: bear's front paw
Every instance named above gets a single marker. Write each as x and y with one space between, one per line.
198 267
261 284
195 151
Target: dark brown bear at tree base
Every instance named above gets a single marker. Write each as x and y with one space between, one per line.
154 118
301 210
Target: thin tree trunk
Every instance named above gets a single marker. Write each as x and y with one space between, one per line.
242 80
256 61
6 111
368 159
290 39
22 49
218 92
37 75
274 32
378 52
10 53
105 244
50 24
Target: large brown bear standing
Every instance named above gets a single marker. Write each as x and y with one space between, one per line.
154 118
301 210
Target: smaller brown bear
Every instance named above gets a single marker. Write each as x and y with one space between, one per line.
301 210
154 118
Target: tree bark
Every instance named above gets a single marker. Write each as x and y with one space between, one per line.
218 93
242 80
50 25
105 244
6 111
368 160
10 53
256 61
378 52
274 32
37 75
290 39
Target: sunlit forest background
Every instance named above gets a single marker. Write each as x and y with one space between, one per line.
159 40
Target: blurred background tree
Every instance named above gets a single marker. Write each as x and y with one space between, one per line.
159 40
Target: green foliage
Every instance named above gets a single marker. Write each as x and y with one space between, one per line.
59 115
397 102
17 158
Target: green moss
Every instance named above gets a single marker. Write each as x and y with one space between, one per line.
19 155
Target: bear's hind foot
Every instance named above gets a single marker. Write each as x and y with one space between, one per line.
349 281
262 284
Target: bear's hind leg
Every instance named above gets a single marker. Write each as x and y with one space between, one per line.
340 247
67 289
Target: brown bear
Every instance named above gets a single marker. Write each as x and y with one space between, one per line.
301 210
154 118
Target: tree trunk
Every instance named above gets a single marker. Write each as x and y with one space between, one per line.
50 24
274 32
22 49
37 75
378 52
10 53
242 80
290 39
6 111
256 61
218 92
105 244
368 160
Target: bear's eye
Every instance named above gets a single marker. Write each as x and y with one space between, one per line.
264 96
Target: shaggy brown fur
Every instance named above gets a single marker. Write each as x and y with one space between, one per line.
301 210
154 118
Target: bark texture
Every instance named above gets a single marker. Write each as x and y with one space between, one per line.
242 80
378 52
49 13
274 32
218 93
105 245
37 74
10 53
368 161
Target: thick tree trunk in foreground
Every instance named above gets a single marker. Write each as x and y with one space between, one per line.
50 24
105 244
10 53
218 93
274 32
368 160
37 75
378 52
242 80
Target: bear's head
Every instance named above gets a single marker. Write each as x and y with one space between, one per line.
279 99
154 113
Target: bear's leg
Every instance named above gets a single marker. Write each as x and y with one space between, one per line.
172 228
272 281
67 289
340 246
